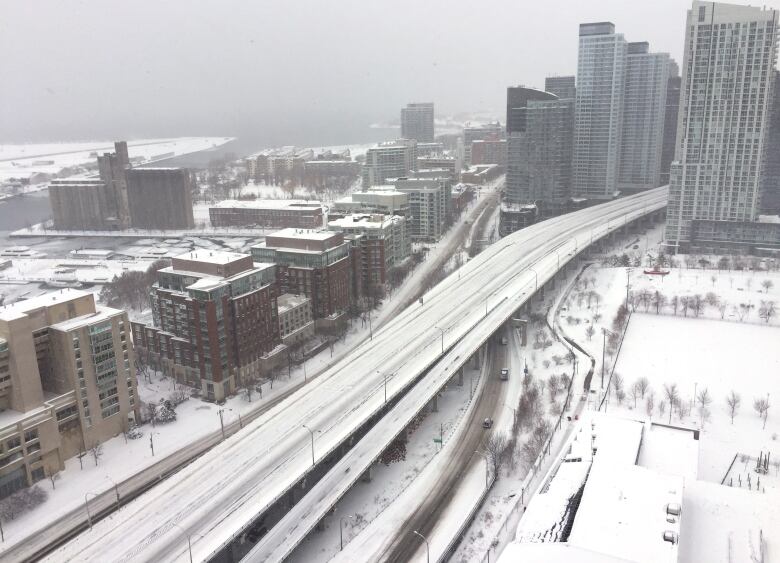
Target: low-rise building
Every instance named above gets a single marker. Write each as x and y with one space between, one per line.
267 213
481 173
314 263
488 151
67 383
439 163
381 199
296 322
384 243
215 321
515 216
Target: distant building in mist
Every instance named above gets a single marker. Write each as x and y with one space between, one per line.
393 159
484 132
160 198
417 122
670 123
539 156
601 68
644 111
562 86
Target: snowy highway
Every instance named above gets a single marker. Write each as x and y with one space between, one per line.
214 499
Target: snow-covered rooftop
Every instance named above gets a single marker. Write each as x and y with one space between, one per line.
211 256
308 234
101 314
289 301
267 204
19 308
363 221
623 512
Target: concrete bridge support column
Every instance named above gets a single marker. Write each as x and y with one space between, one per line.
460 376
366 477
434 404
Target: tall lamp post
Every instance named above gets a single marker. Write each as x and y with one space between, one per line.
189 539
86 505
116 490
536 278
427 546
442 337
312 443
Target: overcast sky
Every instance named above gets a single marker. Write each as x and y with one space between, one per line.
86 69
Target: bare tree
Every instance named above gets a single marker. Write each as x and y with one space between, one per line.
97 452
762 408
643 385
733 400
590 331
704 400
767 310
495 448
767 285
635 393
53 478
662 409
659 301
650 404
672 395
553 386
722 306
675 303
697 305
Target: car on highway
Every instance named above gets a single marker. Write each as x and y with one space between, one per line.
487 423
504 374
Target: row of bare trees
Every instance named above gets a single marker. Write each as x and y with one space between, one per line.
673 402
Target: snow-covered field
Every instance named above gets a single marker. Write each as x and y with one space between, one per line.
24 160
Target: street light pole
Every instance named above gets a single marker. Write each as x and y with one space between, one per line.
603 351
116 490
86 504
442 332
221 422
151 441
628 283
189 540
427 547
312 443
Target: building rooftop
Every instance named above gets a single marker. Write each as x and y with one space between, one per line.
211 256
20 308
101 314
304 234
364 221
289 301
267 204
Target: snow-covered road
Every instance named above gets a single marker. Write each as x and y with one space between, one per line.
217 496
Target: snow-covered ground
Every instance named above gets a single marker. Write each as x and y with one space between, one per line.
25 160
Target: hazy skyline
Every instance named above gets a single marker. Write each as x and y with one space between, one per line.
282 69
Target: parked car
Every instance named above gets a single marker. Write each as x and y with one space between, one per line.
504 374
487 423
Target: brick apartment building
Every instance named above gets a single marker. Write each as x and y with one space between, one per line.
314 263
215 321
268 213
67 383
